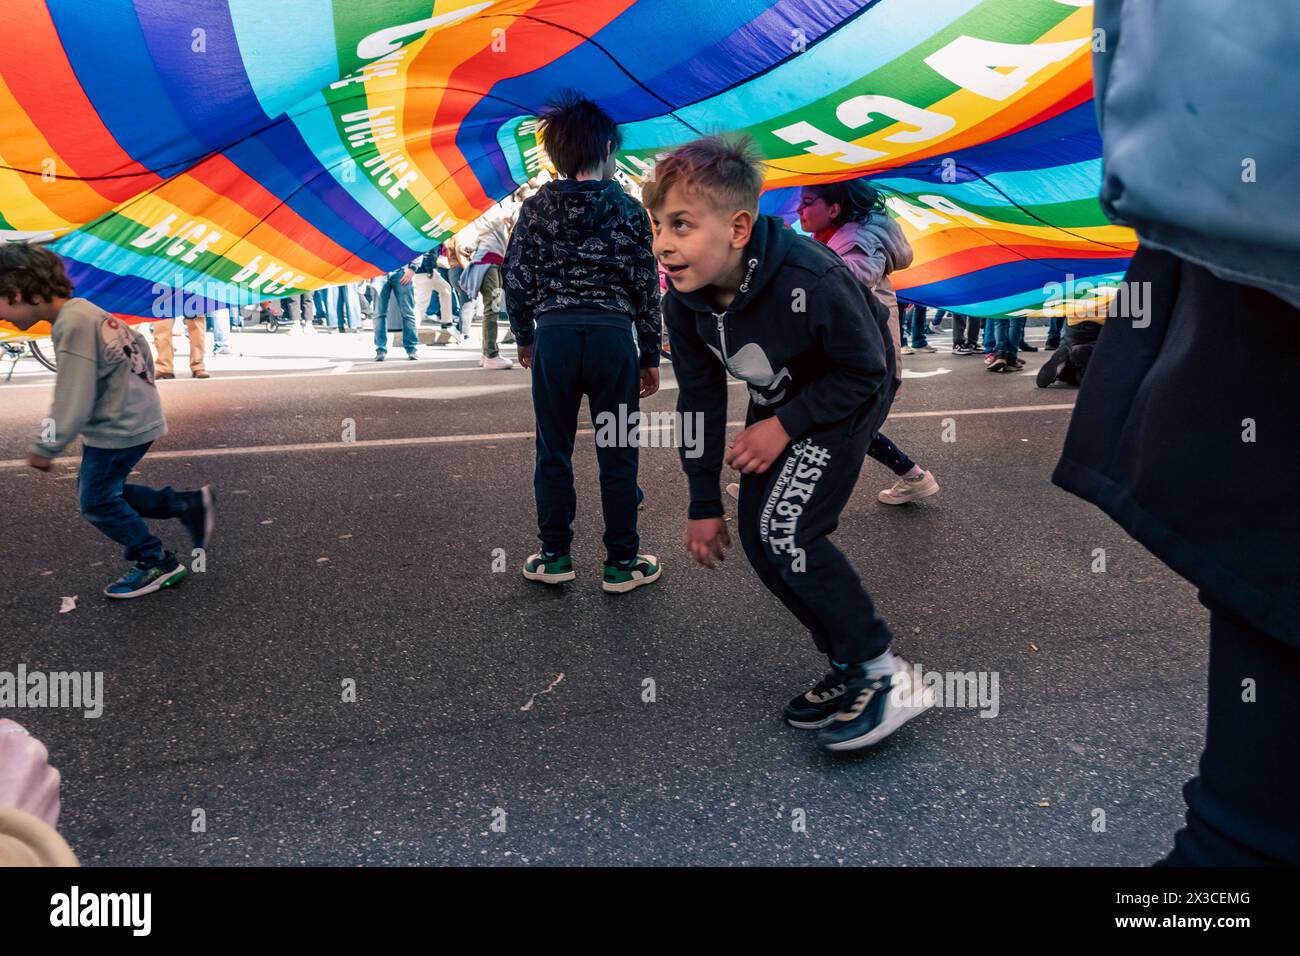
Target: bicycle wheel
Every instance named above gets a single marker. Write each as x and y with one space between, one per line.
40 354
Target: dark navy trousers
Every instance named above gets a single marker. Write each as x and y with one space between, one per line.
602 362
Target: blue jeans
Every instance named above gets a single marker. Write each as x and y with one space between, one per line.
602 362
342 307
1013 333
1054 326
220 320
919 340
465 317
993 332
117 509
405 304
436 309
1003 336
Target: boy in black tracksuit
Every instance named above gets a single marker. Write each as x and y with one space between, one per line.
582 293
750 297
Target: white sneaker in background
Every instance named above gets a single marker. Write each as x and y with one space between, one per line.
497 361
902 491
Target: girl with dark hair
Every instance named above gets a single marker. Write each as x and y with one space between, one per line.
850 218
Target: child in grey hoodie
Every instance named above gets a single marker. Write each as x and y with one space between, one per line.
105 393
850 218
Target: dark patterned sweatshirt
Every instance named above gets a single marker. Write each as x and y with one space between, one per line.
583 246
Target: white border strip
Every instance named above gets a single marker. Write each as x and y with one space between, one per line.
498 436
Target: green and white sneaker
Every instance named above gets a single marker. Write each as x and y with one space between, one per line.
643 569
549 570
147 577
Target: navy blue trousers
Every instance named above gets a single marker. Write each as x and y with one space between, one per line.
603 363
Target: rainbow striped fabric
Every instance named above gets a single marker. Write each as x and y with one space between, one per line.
189 155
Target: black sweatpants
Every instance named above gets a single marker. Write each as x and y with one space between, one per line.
1242 809
601 362
966 330
1082 333
786 516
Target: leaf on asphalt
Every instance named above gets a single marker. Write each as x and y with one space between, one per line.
529 705
69 604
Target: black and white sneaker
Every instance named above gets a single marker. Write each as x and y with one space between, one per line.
961 349
872 708
201 518
816 707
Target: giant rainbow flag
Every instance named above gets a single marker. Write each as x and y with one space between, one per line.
184 155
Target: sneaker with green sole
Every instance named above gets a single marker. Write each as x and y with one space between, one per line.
549 569
147 577
644 569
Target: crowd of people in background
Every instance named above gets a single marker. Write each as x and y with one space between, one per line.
455 288
1070 339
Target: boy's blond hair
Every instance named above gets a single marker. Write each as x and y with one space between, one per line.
726 172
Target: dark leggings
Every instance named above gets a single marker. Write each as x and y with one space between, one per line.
890 455
885 451
1241 809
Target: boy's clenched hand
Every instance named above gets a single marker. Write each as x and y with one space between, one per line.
705 540
27 781
36 461
758 446
525 356
649 381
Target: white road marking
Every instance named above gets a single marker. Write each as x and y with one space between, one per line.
443 392
406 368
996 410
673 386
499 436
908 373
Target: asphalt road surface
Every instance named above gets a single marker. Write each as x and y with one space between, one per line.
372 561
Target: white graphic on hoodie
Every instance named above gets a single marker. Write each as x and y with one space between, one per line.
751 364
121 343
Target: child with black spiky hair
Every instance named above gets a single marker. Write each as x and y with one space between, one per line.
582 294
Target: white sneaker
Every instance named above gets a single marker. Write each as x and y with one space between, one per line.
902 491
733 489
497 361
907 350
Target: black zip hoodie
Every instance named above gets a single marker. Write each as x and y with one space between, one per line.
812 344
584 247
